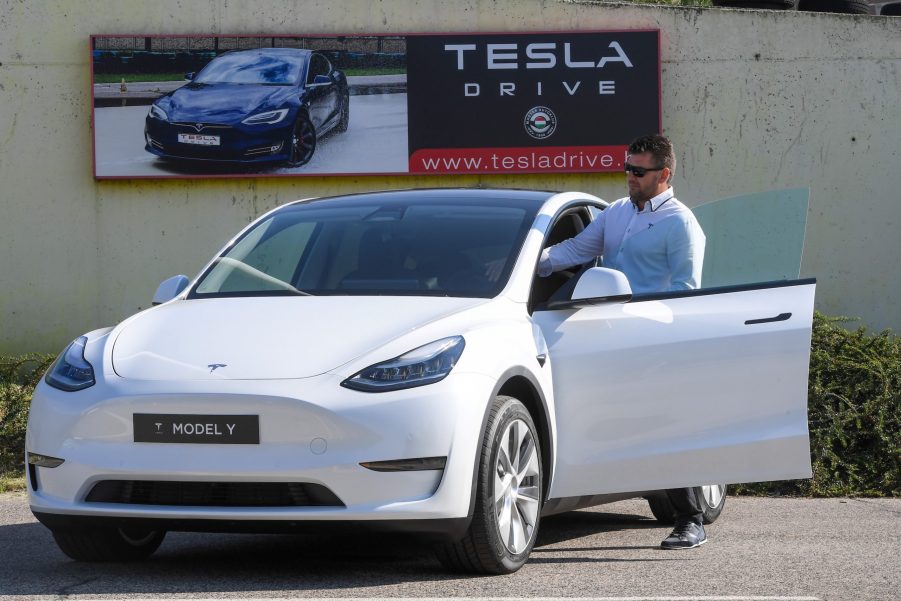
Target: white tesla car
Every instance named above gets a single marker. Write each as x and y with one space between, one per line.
391 360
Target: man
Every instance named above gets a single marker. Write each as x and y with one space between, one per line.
658 244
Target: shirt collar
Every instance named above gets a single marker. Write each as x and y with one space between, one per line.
656 202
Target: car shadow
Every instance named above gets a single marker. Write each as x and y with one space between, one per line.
250 563
576 524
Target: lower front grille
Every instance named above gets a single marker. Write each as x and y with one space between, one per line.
213 494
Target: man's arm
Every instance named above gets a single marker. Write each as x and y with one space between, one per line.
581 248
685 255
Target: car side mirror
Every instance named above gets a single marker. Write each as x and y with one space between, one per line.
170 288
189 76
595 286
321 80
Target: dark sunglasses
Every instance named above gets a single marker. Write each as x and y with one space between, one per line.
640 171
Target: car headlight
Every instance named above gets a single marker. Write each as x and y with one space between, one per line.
158 113
267 118
424 365
71 371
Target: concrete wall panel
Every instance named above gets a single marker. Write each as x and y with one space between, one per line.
754 100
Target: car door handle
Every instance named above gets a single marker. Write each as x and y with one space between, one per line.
780 317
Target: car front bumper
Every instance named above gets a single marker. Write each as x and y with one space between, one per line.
235 143
311 431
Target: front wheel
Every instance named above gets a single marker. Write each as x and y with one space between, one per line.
508 496
302 143
109 544
711 496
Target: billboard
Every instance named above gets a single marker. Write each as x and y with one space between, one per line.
236 106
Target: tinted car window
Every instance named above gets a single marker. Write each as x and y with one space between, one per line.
252 68
433 249
318 66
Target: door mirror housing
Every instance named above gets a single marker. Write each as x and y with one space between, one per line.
321 80
170 288
596 286
189 76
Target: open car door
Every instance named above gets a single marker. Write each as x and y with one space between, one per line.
681 389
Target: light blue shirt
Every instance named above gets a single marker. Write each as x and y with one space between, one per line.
659 248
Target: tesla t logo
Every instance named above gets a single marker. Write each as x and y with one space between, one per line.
214 366
198 126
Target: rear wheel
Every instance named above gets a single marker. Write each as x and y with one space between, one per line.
344 120
508 496
109 544
712 498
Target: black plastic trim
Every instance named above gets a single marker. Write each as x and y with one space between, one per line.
780 317
637 298
414 464
441 529
584 302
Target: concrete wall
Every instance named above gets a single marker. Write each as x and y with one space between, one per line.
754 100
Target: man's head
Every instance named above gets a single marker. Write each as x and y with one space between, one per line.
653 157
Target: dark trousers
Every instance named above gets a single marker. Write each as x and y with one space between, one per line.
687 505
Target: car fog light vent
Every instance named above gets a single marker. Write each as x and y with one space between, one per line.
417 464
44 460
33 476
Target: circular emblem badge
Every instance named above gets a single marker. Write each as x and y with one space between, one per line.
540 122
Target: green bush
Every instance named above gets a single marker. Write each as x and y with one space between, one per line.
18 377
854 415
854 404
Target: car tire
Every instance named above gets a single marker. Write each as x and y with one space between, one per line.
344 119
302 143
109 544
852 7
503 531
712 498
767 4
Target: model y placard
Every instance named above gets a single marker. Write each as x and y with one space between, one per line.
227 106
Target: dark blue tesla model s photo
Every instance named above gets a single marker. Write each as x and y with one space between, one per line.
251 106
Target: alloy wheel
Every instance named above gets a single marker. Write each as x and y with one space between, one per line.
516 486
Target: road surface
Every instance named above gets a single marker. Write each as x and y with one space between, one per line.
760 549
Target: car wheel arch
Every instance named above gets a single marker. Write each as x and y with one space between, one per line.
521 384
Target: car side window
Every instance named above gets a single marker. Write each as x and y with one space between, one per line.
319 65
569 223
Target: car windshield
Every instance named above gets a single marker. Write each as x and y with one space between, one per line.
446 247
253 68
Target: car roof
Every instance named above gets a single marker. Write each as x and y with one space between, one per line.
273 51
531 199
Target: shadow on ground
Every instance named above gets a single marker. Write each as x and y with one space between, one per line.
226 563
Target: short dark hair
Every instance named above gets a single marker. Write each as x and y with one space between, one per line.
660 148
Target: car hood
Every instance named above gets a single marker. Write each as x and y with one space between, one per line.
267 337
223 102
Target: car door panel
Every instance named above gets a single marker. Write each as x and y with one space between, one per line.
709 386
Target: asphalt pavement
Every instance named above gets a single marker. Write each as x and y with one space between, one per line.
759 550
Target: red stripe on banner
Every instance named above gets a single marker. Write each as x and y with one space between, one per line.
557 159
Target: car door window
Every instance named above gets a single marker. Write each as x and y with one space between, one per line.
318 66
570 222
